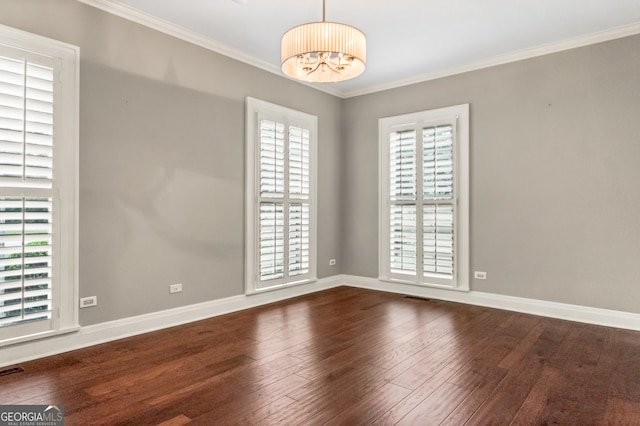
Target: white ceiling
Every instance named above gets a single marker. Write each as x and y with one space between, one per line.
407 40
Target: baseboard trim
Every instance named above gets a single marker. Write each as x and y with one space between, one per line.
127 327
584 314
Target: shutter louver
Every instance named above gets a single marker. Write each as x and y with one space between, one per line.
26 124
26 167
403 165
299 243
437 162
298 163
272 155
25 259
438 239
271 241
403 239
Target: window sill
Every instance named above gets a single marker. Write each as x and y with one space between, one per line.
426 285
280 286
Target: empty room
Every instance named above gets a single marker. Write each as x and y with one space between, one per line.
243 212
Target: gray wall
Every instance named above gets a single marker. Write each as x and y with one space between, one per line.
555 174
162 160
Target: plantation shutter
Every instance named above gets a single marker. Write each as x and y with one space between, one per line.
284 202
26 193
421 202
424 198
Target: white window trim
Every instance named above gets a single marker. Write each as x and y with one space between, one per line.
66 184
459 115
254 107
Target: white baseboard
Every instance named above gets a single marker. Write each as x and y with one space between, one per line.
585 314
114 330
119 329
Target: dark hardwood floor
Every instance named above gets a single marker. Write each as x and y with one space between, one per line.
348 356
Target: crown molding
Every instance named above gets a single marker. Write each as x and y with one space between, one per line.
519 55
134 15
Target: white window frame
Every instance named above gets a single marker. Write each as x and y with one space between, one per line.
65 58
255 111
458 116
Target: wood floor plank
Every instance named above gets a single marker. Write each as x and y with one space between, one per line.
222 387
476 336
523 348
411 401
321 400
425 337
476 397
472 333
437 406
247 416
347 356
503 404
620 411
538 397
428 367
176 421
624 356
370 407
253 406
484 358
579 392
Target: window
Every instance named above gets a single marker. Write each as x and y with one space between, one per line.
424 199
38 177
281 240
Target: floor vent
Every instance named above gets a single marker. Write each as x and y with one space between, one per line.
11 371
424 299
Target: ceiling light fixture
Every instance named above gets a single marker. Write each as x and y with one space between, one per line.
323 52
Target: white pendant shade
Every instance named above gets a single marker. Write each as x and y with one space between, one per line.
323 52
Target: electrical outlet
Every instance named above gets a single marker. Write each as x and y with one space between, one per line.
480 275
86 302
332 262
175 288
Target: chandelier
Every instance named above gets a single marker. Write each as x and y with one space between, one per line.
323 52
